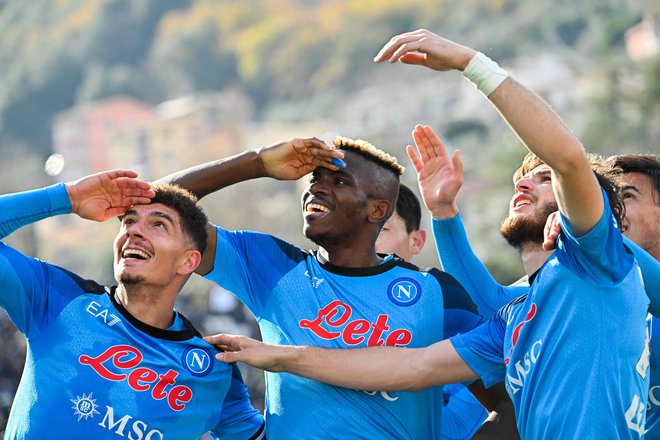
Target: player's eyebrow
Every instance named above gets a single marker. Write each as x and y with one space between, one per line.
630 188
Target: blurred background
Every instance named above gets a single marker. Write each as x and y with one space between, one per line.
159 85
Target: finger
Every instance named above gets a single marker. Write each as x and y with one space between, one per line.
115 174
421 143
457 163
403 49
130 201
414 158
115 212
138 192
393 45
229 356
220 339
438 147
131 182
416 58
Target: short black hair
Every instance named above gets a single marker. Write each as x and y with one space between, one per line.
646 164
409 208
192 217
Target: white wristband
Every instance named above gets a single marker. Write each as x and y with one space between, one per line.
484 73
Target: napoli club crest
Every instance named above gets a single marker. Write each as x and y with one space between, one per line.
404 291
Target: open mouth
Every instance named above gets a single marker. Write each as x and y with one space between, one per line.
521 201
134 254
316 208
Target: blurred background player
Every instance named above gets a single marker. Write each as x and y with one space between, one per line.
462 414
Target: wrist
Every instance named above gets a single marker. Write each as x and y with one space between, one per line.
445 211
484 73
72 193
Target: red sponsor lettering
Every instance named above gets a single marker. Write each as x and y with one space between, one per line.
333 321
125 357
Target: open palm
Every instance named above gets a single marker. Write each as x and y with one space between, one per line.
107 194
439 176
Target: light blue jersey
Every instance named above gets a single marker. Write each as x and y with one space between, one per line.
93 371
573 352
299 298
458 259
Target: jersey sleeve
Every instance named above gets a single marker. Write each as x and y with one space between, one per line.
24 208
240 421
250 264
461 313
28 289
598 255
458 259
482 348
650 268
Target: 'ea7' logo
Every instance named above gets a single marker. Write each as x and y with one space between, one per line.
404 291
198 361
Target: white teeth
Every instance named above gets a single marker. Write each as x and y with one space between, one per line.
128 253
313 207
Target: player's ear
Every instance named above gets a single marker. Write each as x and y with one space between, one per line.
418 238
379 211
189 262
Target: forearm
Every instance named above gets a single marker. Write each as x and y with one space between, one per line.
378 368
209 177
21 209
544 134
539 127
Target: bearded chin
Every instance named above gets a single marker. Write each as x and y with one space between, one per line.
522 229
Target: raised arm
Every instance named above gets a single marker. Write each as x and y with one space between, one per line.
535 123
439 181
96 197
288 160
372 368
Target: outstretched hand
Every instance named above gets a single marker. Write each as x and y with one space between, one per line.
296 158
439 177
244 349
107 194
425 48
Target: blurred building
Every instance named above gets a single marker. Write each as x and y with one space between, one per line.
81 134
643 39
125 133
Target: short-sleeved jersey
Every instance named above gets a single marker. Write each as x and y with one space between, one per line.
299 298
458 260
94 371
573 352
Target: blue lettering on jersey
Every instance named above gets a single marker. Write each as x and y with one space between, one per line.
404 291
198 361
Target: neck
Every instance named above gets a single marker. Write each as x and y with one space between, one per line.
533 256
349 257
154 307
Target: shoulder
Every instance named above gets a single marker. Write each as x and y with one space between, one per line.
250 241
